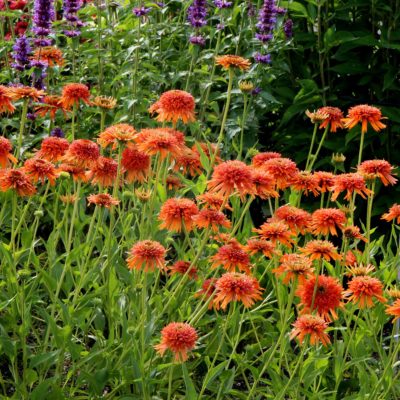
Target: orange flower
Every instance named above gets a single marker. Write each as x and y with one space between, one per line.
264 184
50 105
177 135
16 179
334 118
50 55
25 92
366 115
305 182
115 134
73 93
104 172
276 231
188 161
323 294
53 149
318 249
173 106
106 102
39 170
353 232
311 325
350 258
214 201
326 220
296 218
213 219
380 169
324 180
393 292
103 200
176 213
182 268
179 338
394 310
362 289
230 256
173 182
316 117
207 290
231 176
282 169
153 141
82 153
236 287
394 213
5 100
294 267
148 255
259 159
135 163
69 198
5 153
77 173
263 246
359 270
229 61
350 183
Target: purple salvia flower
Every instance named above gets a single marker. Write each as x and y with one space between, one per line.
22 51
141 11
281 10
288 28
266 21
197 13
221 26
251 11
262 58
222 3
160 4
31 116
70 14
57 132
198 40
43 17
256 91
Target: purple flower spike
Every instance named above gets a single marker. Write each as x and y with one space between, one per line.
288 28
22 51
57 132
198 41
141 11
262 58
197 13
266 21
222 3
43 17
70 11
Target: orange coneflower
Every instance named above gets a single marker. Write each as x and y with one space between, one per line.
296 218
208 218
359 270
188 162
259 159
214 201
53 149
305 182
159 140
350 183
6 105
394 310
353 232
255 245
176 213
18 180
39 170
207 290
380 169
230 256
230 177
282 169
104 172
323 294
182 268
324 180
362 289
50 55
73 93
148 255
77 173
366 115
68 198
334 118
115 134
179 338
103 200
135 163
294 267
229 60
318 249
393 292
264 184
326 220
25 92
106 102
82 153
316 117
173 182
276 231
393 214
236 287
173 106
177 135
350 258
311 325
50 105
5 153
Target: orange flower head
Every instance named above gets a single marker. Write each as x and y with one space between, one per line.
176 213
103 200
230 177
359 270
153 141
362 290
349 183
18 180
148 255
380 169
294 267
77 173
208 218
393 292
214 201
255 245
264 184
53 149
366 115
353 232
105 102
318 249
231 256
393 214
178 135
6 105
104 172
334 118
39 170
327 294
50 55
135 163
306 182
259 159
173 106
236 287
350 258
5 153
276 231
232 61
325 180
316 117
50 105
394 310
25 92
311 325
182 268
73 93
173 182
207 290
82 153
179 338
295 218
325 221
115 134
282 169
188 162
69 198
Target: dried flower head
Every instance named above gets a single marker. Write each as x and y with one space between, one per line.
317 117
106 102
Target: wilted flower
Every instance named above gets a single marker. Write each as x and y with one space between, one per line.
106 102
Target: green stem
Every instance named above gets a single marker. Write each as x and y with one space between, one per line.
311 146
360 151
244 115
368 226
315 156
22 127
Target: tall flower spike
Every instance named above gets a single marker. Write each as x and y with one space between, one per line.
43 17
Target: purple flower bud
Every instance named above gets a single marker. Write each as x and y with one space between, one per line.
160 4
71 34
288 28
31 116
198 41
281 10
262 58
57 132
222 3
257 90
220 26
141 11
